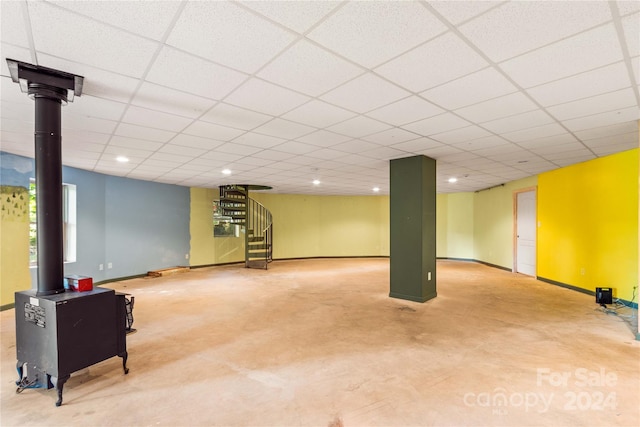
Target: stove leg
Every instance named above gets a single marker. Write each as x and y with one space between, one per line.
59 383
20 369
124 356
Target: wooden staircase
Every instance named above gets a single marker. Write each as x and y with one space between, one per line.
257 221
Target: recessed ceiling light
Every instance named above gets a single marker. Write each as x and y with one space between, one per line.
122 159
316 182
453 180
226 171
376 189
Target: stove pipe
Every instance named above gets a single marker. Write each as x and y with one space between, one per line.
49 88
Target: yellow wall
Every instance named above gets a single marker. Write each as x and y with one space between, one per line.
313 226
459 226
493 222
205 249
14 242
588 224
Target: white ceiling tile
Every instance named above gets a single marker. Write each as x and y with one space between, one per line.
324 138
438 124
18 126
171 101
81 136
13 29
358 127
631 26
518 27
534 133
603 119
439 61
235 117
461 135
605 79
132 152
573 156
139 144
370 33
496 108
518 122
558 148
251 162
309 69
574 55
365 93
481 143
98 83
274 155
192 141
326 154
562 138
212 131
391 136
284 129
71 120
265 97
257 140
417 145
140 132
435 152
605 150
297 15
235 148
91 106
405 111
626 138
235 37
497 150
180 70
83 149
354 146
457 12
473 88
22 112
596 104
607 130
384 153
99 45
170 148
170 158
155 119
295 147
626 7
148 18
319 114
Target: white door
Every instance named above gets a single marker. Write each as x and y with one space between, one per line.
526 233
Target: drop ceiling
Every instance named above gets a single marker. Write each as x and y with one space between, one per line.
284 92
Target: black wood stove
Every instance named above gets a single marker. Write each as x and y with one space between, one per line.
59 332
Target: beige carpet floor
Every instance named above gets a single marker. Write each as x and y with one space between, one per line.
319 342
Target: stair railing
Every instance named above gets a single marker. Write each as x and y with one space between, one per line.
258 234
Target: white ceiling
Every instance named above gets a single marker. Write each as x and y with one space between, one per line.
285 92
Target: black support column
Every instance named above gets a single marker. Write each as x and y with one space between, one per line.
413 228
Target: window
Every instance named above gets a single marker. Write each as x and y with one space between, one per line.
68 226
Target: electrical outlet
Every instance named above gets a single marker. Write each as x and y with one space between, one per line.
109 265
582 271
186 256
101 267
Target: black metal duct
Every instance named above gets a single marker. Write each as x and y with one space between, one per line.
49 88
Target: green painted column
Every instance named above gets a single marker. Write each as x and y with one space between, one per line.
413 228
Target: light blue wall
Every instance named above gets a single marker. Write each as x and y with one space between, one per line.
137 226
